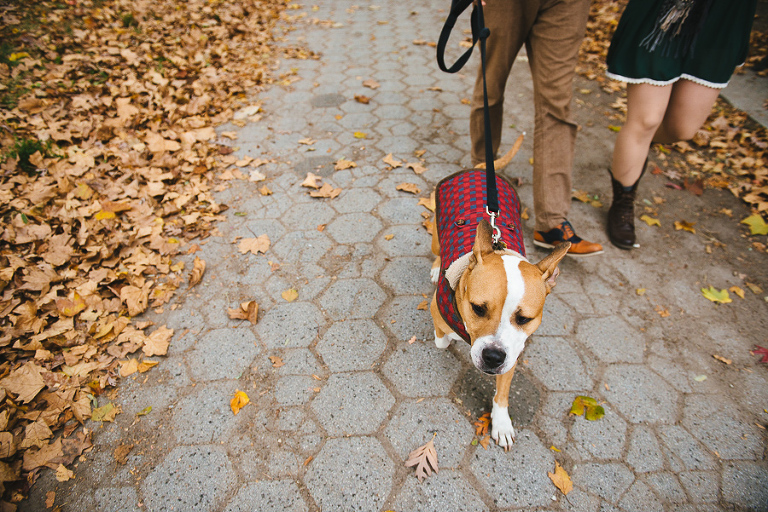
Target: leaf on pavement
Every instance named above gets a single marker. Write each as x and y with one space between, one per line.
738 291
715 295
417 167
757 226
587 406
425 459
311 181
371 83
392 161
342 164
254 245
326 191
105 413
290 294
362 99
25 382
247 311
686 226
409 187
760 351
63 474
277 361
650 220
482 424
121 453
561 479
158 342
196 274
239 401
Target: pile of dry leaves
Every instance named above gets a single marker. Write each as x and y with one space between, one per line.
729 152
109 158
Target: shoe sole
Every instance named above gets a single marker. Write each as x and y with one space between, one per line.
545 245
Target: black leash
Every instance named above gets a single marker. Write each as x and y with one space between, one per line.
479 32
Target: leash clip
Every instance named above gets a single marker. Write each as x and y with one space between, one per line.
496 237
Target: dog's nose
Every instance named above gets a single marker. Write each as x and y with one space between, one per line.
493 357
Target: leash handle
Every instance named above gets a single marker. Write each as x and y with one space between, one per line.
479 32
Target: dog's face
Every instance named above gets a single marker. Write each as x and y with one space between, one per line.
500 298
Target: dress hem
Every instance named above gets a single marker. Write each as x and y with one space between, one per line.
713 85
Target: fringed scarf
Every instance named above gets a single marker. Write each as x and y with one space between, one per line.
677 27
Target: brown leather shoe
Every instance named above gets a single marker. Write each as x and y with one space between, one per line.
564 233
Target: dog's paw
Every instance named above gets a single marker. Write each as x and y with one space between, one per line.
501 427
434 274
443 342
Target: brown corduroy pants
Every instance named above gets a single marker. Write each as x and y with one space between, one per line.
552 31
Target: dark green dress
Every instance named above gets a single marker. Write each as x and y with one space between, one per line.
721 44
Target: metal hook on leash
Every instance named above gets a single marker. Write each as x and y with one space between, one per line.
496 231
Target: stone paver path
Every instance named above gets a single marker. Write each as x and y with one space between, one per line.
331 428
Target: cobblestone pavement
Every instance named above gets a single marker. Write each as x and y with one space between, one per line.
331 428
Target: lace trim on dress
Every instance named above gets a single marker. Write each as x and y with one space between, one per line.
700 81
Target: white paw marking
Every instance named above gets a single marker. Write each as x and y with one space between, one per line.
443 342
501 427
434 274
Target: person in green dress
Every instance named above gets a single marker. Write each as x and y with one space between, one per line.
676 56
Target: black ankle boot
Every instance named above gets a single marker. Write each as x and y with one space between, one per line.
621 215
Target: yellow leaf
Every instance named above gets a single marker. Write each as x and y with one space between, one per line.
738 291
17 56
561 479
715 295
389 237
105 215
650 220
687 226
129 367
63 474
391 161
640 291
69 307
239 401
409 187
757 225
342 164
156 344
614 128
290 294
360 135
105 413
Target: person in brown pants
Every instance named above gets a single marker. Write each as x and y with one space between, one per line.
552 31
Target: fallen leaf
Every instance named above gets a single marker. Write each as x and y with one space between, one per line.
587 406
715 295
417 167
757 226
409 187
105 413
157 343
290 294
307 141
482 424
754 288
254 245
650 220
738 291
196 274
722 359
146 365
246 311
129 368
326 191
425 459
239 401
760 351
362 99
311 181
121 453
371 83
25 382
63 474
423 306
360 135
50 498
640 291
391 161
265 191
144 411
687 226
277 362
561 479
343 164
389 237
485 442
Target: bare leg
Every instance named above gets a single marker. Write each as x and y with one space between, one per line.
689 106
646 107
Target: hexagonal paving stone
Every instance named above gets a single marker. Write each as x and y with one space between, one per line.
644 453
302 247
421 369
415 423
640 395
401 210
556 364
352 403
719 425
408 276
405 241
603 439
274 496
687 449
222 354
356 200
611 339
190 478
307 216
290 325
353 228
558 318
204 416
402 316
607 480
350 474
517 478
351 345
352 299
447 490
744 484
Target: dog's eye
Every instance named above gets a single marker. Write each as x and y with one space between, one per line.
522 320
479 309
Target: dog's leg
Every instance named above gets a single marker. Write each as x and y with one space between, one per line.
442 335
501 425
434 272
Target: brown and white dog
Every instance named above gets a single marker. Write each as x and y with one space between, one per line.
498 298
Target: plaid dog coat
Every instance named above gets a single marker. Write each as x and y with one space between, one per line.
459 206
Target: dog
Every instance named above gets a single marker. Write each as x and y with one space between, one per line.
487 294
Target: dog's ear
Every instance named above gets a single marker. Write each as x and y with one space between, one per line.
483 241
548 266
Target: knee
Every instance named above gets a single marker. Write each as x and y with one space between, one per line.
646 122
